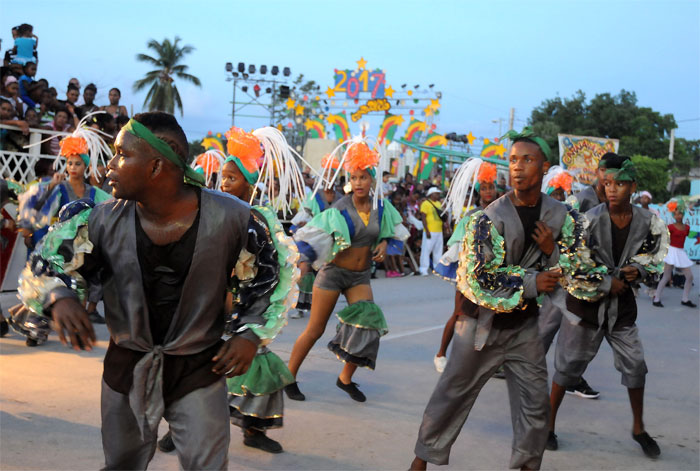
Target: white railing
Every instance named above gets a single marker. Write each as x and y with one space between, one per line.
19 166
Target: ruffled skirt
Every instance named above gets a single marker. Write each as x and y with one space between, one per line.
357 336
678 258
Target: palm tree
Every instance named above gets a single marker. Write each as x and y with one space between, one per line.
163 95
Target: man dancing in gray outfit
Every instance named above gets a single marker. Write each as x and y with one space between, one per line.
507 259
164 251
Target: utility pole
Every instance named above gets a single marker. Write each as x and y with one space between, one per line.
511 119
670 158
233 104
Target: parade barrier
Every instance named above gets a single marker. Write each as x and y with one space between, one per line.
19 166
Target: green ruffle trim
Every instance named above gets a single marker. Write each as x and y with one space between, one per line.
365 315
60 232
306 283
34 289
390 218
653 261
459 232
267 374
312 205
581 275
332 222
467 281
101 196
285 295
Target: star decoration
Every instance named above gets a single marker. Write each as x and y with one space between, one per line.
299 110
428 111
500 150
290 103
409 93
389 92
435 104
308 124
361 63
330 92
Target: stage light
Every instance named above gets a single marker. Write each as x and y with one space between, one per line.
235 74
452 136
284 91
244 88
245 76
431 85
251 69
268 90
416 86
241 67
263 69
229 67
438 95
275 70
286 72
403 86
256 89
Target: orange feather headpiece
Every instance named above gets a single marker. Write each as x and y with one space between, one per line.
246 147
360 157
72 145
487 173
563 181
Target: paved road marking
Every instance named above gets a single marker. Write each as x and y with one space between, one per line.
408 333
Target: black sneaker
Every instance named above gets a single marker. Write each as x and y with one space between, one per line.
352 390
689 303
293 392
657 303
96 318
166 444
31 342
4 328
257 439
582 389
648 444
552 442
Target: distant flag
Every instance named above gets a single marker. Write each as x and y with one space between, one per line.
388 128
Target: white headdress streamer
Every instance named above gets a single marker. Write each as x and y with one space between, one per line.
98 149
329 175
220 157
279 161
463 183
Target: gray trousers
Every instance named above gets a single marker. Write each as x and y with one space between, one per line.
577 345
199 423
522 356
549 321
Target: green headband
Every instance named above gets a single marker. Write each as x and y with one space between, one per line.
162 147
251 178
626 173
372 172
86 159
528 133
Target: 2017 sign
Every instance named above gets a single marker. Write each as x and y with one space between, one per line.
353 82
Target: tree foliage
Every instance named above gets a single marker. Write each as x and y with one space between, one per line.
640 130
652 175
163 94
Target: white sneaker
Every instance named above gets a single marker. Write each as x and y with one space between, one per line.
297 314
440 363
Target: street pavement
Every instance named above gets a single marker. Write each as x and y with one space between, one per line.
50 415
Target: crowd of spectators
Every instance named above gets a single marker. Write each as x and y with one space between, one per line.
27 102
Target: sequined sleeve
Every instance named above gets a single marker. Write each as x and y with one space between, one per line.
649 259
63 265
581 277
257 309
482 276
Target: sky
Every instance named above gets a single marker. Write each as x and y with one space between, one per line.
486 57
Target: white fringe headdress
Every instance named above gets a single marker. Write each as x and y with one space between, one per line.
463 183
333 166
279 163
216 156
98 149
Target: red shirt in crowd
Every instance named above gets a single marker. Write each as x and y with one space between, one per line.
678 235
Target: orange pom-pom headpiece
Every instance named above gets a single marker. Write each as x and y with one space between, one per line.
360 157
329 162
487 173
246 147
72 145
563 181
672 206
